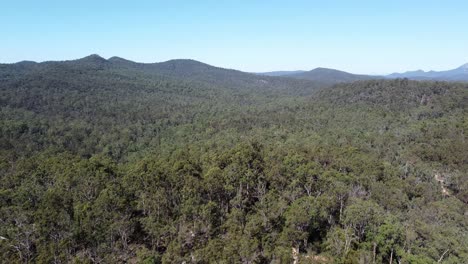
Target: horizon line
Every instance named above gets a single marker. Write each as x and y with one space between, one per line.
253 72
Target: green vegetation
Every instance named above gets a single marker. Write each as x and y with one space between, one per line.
112 161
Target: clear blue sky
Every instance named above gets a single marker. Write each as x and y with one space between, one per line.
358 36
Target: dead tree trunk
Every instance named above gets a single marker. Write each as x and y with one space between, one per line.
374 251
391 256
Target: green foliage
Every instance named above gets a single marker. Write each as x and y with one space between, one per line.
111 161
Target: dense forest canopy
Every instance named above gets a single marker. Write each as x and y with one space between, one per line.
109 161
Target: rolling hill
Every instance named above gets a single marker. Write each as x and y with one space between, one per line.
113 161
332 76
323 75
180 70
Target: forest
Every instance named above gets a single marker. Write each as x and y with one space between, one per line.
112 161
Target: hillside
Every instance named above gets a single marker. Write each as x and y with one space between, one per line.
114 161
92 94
180 70
322 75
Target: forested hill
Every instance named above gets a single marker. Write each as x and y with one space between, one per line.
112 161
331 76
323 75
181 70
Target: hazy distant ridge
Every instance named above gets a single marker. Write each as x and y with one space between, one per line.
458 74
337 76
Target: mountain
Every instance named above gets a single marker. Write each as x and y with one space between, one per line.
458 74
180 69
322 75
330 76
279 73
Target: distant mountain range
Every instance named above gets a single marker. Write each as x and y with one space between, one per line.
458 74
323 75
280 73
332 76
192 70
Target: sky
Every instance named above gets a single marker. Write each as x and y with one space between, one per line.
373 37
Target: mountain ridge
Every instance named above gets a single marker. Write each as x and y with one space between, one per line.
180 70
323 75
458 74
